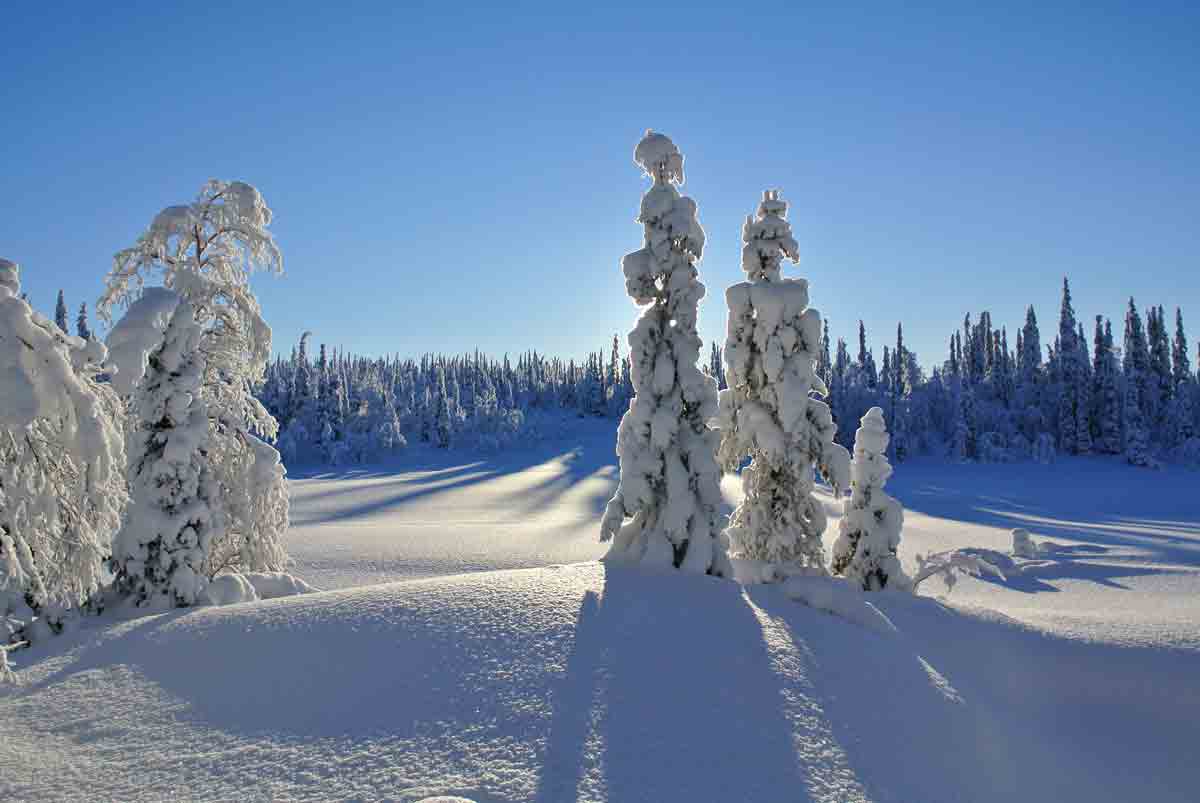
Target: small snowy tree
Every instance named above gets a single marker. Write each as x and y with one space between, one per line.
869 531
62 484
767 413
666 511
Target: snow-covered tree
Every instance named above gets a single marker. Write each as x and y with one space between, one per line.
62 485
81 322
174 517
204 253
768 414
60 314
1074 437
666 510
1106 391
869 531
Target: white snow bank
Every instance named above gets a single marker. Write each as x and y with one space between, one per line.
838 597
269 585
229 589
1023 545
581 683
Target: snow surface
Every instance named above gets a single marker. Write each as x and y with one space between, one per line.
1073 679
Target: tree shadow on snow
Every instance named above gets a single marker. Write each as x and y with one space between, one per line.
655 705
1089 500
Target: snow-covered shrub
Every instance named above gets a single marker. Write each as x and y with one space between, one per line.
869 531
948 565
767 413
1023 545
204 252
62 486
666 511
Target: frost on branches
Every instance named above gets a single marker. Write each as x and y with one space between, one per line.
767 412
62 485
869 531
666 508
205 253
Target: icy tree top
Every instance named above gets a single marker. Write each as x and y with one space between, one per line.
658 156
10 276
872 435
767 239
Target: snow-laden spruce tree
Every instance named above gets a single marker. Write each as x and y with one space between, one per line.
62 461
169 530
60 314
666 511
204 253
869 531
768 413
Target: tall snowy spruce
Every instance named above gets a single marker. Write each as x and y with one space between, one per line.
1073 423
204 252
666 508
869 531
768 414
1137 364
62 482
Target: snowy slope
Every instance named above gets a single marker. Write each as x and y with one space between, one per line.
1072 680
557 683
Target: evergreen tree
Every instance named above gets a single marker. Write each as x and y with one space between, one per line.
1072 403
769 414
869 531
1106 393
81 323
160 552
666 511
60 314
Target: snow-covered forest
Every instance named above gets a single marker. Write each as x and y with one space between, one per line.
992 398
143 477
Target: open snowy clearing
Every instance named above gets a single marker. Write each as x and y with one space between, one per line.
1074 679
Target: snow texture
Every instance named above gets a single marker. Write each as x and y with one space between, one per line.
666 508
768 413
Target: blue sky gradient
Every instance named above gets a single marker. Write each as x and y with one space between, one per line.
446 178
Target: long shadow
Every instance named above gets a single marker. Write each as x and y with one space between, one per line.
1061 562
571 463
669 711
1092 502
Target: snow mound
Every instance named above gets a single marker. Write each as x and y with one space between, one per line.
838 597
229 589
1023 545
589 683
270 585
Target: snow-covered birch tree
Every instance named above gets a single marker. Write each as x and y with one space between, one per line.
768 413
869 531
666 508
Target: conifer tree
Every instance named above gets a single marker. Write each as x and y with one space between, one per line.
869 531
81 323
768 413
60 314
666 511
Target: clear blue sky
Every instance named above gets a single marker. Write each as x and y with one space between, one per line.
445 178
